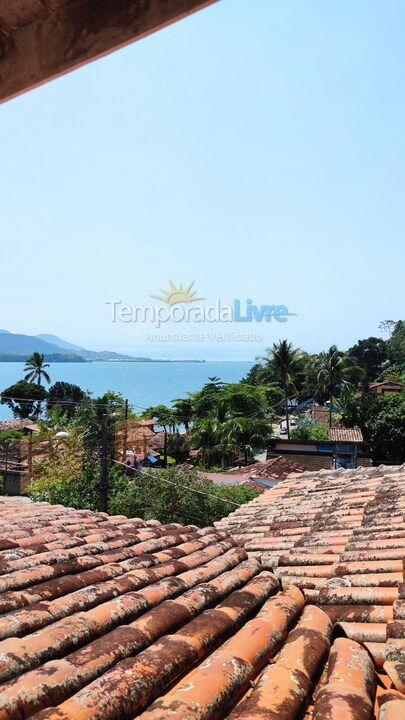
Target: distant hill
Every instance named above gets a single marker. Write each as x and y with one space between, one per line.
16 344
15 347
49 357
54 340
105 355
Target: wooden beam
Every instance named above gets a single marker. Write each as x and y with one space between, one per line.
78 32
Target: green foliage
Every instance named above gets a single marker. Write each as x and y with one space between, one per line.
24 398
89 416
183 411
60 478
205 401
395 372
285 364
35 369
148 496
356 410
65 396
369 354
386 428
8 439
336 374
163 415
177 447
396 343
10 435
307 430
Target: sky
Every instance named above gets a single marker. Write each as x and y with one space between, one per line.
256 148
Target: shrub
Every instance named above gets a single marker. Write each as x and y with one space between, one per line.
165 496
309 430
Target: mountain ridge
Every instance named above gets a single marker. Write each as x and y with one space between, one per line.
14 346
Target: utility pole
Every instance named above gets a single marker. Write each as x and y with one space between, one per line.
125 438
103 498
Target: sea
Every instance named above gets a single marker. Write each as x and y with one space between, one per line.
142 383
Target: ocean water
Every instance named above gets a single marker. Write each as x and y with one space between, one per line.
143 384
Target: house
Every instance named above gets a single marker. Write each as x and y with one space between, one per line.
347 444
259 475
134 436
345 447
386 387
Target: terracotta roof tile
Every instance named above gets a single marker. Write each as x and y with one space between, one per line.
106 618
338 434
347 556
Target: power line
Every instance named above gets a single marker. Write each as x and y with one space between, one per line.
169 482
109 405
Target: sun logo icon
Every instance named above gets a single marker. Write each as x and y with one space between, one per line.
178 294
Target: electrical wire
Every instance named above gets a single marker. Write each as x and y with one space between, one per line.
169 482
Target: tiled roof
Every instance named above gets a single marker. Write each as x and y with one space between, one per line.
340 537
18 425
277 468
110 618
338 434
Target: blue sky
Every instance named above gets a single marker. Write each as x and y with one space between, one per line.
256 148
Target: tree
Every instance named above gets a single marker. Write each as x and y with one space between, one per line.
335 372
205 437
310 430
370 354
65 396
240 400
247 435
386 428
35 368
60 477
183 411
286 364
396 343
175 495
204 401
24 398
165 417
387 326
8 439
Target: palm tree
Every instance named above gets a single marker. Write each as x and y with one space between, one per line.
183 411
35 369
335 374
247 434
206 436
285 362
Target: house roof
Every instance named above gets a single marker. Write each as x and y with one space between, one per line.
340 537
18 425
105 618
275 469
340 434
